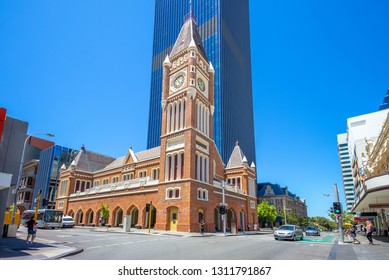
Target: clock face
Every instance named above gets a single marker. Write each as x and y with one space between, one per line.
201 84
179 81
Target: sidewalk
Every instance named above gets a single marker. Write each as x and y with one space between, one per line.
15 248
364 251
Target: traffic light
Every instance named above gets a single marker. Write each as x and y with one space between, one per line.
332 210
222 210
337 208
45 201
147 207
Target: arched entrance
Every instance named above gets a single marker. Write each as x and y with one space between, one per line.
173 218
79 217
118 217
217 220
89 217
152 219
134 215
231 221
242 221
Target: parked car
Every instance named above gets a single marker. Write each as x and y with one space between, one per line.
312 231
67 221
291 232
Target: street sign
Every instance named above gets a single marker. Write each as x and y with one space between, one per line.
368 214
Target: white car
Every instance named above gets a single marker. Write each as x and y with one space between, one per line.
289 232
67 221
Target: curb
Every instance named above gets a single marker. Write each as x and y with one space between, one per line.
75 251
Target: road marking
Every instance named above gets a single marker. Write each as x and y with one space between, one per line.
110 245
94 247
128 242
139 241
82 241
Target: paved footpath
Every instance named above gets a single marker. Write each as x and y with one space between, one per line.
43 249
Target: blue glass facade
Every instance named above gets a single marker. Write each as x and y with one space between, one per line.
385 102
47 177
224 29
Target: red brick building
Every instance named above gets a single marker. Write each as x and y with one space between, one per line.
184 177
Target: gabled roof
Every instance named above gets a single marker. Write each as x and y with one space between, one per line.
237 157
140 156
189 36
276 188
149 154
91 161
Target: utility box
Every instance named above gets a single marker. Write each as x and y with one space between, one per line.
127 223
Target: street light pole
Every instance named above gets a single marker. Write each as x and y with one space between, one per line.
285 211
224 203
20 173
340 219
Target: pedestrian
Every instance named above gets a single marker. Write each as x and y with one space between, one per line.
353 234
31 230
202 226
369 232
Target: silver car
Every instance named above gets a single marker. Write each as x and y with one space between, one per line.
291 232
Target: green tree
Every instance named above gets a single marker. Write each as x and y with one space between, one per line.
267 212
104 212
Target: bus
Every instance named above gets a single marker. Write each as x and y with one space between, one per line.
47 218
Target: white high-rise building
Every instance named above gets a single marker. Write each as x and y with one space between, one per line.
347 175
360 129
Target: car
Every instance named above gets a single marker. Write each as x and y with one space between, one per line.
312 231
291 232
67 221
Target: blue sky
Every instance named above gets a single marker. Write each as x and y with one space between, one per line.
81 70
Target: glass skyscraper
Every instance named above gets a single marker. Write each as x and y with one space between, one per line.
225 32
47 177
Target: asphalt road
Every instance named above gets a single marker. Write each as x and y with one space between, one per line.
122 246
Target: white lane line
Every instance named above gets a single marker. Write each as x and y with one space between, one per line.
94 247
131 242
110 245
139 241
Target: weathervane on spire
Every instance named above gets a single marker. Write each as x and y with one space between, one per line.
190 14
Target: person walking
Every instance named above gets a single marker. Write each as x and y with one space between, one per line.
202 227
369 232
31 230
353 234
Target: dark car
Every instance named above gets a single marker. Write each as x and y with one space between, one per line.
289 232
312 231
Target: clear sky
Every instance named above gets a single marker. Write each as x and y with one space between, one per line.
81 70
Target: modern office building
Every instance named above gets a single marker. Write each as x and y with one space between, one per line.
347 174
385 102
11 149
47 175
361 131
225 32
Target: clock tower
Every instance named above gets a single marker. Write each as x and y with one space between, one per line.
187 149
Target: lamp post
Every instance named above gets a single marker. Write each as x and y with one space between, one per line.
224 204
340 218
21 170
